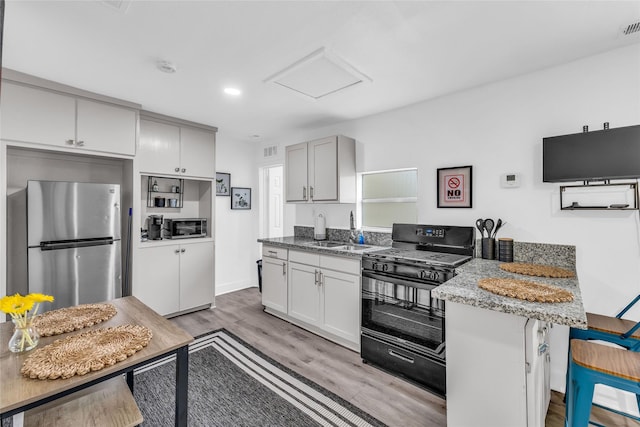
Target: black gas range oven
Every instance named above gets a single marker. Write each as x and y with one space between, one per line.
402 324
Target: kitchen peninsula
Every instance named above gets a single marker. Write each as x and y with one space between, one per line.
503 342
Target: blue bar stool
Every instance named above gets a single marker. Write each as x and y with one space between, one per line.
625 333
590 364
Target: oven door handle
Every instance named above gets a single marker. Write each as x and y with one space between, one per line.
399 280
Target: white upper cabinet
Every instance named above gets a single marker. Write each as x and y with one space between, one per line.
158 147
296 165
40 116
323 170
197 152
175 149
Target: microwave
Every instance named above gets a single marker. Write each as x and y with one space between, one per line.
185 228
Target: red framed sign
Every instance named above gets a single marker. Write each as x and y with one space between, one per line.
454 187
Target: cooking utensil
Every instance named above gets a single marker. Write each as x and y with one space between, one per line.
488 225
498 225
480 226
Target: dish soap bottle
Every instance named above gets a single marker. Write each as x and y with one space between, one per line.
154 187
361 238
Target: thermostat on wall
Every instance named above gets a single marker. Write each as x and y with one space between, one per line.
510 180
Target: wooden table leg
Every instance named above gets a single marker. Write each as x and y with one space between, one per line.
182 382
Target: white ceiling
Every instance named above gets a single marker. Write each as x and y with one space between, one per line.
411 51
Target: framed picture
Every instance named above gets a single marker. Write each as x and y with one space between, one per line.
223 184
454 187
240 198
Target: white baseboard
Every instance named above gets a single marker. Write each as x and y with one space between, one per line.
225 288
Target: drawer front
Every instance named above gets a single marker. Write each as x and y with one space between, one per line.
308 258
346 265
274 252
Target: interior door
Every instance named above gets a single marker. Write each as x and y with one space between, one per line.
275 217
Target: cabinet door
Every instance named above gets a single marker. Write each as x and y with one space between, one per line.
159 148
197 152
323 169
341 304
196 275
296 173
304 293
158 279
34 115
104 127
274 284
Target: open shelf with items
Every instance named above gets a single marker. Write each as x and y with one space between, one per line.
165 192
606 196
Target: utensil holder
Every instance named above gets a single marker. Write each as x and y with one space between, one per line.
488 248
505 249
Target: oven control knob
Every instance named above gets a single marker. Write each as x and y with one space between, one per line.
423 275
385 267
434 275
374 266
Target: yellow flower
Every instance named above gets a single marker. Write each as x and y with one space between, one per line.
38 298
15 304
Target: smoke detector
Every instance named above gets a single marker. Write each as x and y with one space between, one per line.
166 66
318 74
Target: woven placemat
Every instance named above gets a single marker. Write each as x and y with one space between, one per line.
537 270
88 351
71 319
525 290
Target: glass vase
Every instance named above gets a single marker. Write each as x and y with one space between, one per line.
25 337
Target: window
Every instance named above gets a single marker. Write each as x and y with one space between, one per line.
388 197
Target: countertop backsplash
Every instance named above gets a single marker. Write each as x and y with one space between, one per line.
539 253
342 235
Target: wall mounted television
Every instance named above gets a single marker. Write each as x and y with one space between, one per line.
592 156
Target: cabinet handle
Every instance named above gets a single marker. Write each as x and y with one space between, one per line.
80 143
177 251
183 170
177 169
273 253
311 192
70 142
321 282
284 268
316 277
304 193
183 250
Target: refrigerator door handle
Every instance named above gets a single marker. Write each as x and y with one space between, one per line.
79 243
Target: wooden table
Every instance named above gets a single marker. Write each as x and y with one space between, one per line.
18 393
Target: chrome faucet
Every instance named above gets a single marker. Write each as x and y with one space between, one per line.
353 238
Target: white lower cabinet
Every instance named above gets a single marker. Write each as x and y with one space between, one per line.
175 278
324 292
497 368
274 278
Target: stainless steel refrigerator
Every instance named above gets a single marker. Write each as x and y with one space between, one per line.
73 239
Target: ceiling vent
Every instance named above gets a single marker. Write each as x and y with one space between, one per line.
271 151
119 5
318 74
631 29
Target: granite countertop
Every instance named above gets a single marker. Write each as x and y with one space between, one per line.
304 243
464 289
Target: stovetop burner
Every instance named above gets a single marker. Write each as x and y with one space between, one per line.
419 257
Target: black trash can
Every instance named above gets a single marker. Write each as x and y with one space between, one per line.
259 262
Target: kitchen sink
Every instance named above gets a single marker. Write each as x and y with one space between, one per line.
325 244
338 245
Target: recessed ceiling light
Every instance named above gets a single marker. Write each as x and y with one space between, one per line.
166 66
232 91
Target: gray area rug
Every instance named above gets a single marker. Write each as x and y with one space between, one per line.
233 384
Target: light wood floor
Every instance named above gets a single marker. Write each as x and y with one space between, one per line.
390 399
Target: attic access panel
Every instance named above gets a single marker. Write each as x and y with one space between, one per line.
318 74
